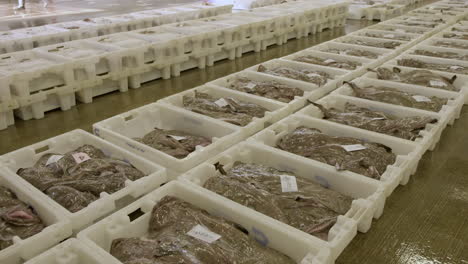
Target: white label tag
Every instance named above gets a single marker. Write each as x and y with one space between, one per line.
456 67
221 103
178 138
312 75
53 159
203 234
435 83
80 157
288 183
330 61
250 85
400 30
389 36
421 98
378 118
351 148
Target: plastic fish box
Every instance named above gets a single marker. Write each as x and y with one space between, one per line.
107 203
6 113
451 110
454 64
122 129
380 34
260 228
408 153
88 60
397 22
369 199
360 69
72 251
276 111
436 42
58 227
78 29
400 29
434 49
428 137
29 38
373 42
293 106
337 76
382 54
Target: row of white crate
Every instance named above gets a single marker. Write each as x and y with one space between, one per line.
29 38
338 231
120 130
52 84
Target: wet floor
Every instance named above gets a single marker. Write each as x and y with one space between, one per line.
424 222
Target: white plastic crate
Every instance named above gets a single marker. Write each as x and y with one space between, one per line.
435 41
364 63
387 35
429 137
107 203
28 38
370 42
261 228
400 29
383 54
57 227
450 111
293 106
408 153
276 111
435 49
369 197
72 251
122 129
337 75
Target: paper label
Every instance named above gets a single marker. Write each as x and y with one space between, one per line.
178 138
53 159
201 233
221 102
288 183
434 83
456 67
250 85
330 61
421 98
351 148
378 118
389 36
400 30
80 157
312 75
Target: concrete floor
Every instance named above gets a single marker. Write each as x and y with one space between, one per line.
424 222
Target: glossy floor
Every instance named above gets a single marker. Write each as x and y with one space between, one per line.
425 222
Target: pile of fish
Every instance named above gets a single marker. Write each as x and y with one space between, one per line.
360 117
176 143
345 153
450 44
438 54
77 178
316 77
418 24
385 45
456 36
433 66
269 89
226 109
388 36
310 208
396 97
179 232
354 52
418 77
343 64
16 219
